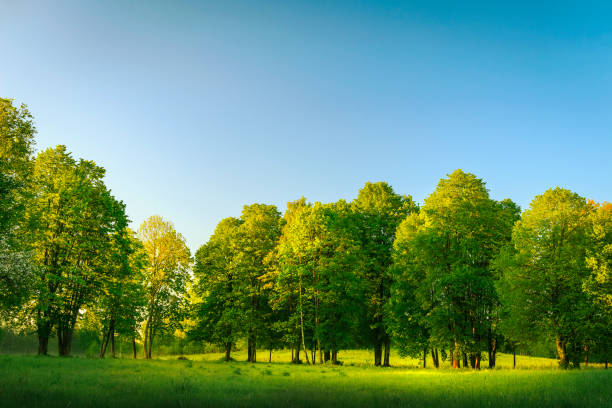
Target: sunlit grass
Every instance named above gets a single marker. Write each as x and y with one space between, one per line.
366 358
204 380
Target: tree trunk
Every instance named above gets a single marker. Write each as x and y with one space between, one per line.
252 349
148 350
514 357
270 359
302 325
492 348
64 341
425 357
335 357
44 331
586 355
327 355
104 344
320 351
456 355
377 353
387 350
465 360
493 354
296 358
111 335
134 347
434 357
228 351
562 352
43 345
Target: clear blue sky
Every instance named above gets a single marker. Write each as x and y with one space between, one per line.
197 108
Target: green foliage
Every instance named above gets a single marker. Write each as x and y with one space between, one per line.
318 280
379 211
544 281
165 277
16 146
460 275
72 220
219 318
444 288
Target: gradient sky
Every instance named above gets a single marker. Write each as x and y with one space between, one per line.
197 108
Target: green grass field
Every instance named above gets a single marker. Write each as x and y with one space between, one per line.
205 381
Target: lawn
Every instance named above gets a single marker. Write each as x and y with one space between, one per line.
204 381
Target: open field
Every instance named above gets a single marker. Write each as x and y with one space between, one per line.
204 381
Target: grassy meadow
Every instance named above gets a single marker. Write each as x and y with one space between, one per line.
206 381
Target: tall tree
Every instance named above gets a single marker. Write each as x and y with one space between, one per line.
166 276
410 298
379 210
257 237
545 280
218 315
72 220
319 276
122 298
445 257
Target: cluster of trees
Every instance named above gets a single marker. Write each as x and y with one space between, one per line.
456 279
66 251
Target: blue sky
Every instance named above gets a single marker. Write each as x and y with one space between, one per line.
197 108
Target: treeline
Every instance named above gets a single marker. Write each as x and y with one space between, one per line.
455 279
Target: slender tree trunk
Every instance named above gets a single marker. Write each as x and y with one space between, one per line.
228 351
514 357
334 357
477 365
493 354
586 355
434 357
320 351
134 347
327 355
377 353
302 325
104 344
387 350
465 360
111 335
270 359
150 345
425 357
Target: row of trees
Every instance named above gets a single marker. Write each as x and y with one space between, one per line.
456 279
